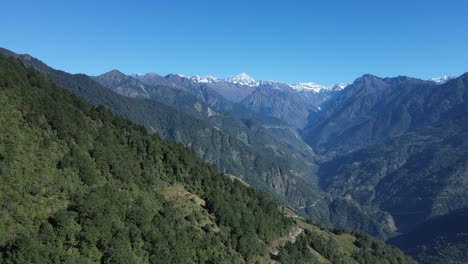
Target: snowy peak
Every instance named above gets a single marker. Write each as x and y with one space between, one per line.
204 79
442 80
242 79
337 87
308 86
317 88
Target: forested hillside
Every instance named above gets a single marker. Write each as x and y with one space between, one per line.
293 159
228 153
81 185
287 149
286 177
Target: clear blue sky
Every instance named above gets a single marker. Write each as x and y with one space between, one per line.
290 41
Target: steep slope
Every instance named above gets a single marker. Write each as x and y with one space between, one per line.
281 101
289 150
81 185
305 196
414 177
286 178
120 84
309 243
208 93
174 98
200 91
398 146
234 88
292 105
275 171
373 109
323 208
228 153
423 172
265 132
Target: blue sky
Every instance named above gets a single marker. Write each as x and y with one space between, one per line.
291 41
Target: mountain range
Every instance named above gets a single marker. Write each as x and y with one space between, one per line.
385 156
233 155
288 102
80 184
399 145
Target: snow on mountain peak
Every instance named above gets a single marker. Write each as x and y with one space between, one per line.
317 88
245 80
443 79
204 79
337 87
308 86
242 79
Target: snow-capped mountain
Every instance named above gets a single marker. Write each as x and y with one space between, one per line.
242 79
290 102
204 79
443 79
308 86
337 87
245 80
317 88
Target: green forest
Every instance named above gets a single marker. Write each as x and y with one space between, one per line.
80 185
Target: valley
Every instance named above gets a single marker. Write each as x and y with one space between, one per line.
345 157
98 188
243 132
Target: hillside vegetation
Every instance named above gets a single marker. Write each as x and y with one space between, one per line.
247 149
232 153
80 185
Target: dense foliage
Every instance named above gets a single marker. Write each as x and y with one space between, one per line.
366 250
248 150
238 152
256 148
375 251
297 252
81 185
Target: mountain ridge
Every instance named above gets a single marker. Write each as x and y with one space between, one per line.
399 145
377 140
379 108
95 188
